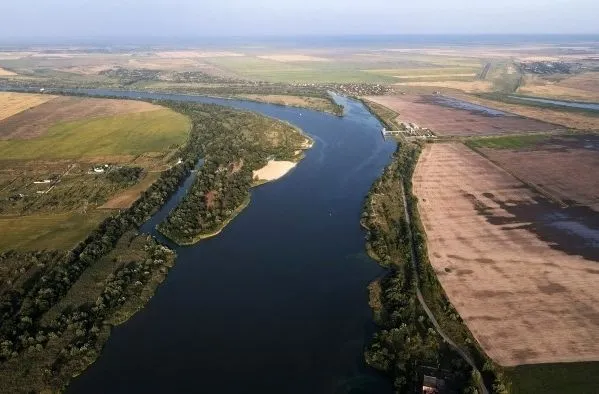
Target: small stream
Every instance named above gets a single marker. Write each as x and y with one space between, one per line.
278 301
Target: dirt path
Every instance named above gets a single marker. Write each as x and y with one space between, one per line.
427 310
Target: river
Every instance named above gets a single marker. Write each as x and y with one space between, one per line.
276 303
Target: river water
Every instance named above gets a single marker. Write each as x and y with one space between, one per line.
276 303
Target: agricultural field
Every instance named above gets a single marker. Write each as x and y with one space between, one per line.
581 87
448 117
519 269
64 159
561 167
573 119
14 103
266 69
6 73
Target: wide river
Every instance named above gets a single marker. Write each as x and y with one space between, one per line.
276 303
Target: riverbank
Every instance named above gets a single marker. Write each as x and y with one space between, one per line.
240 153
394 297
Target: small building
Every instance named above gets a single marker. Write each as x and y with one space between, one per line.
44 181
432 385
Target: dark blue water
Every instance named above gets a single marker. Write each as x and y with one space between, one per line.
559 103
277 303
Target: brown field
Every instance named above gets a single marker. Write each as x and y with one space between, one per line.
444 120
569 119
466 86
34 122
6 73
14 103
128 197
293 58
513 265
584 87
194 54
562 167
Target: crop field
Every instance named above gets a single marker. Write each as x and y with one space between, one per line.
38 120
296 72
112 137
4 72
562 167
426 112
520 270
14 103
583 87
48 231
566 118
49 191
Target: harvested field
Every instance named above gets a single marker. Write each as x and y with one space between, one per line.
427 112
563 167
38 120
565 118
6 73
293 58
192 54
14 103
128 197
520 271
583 87
465 86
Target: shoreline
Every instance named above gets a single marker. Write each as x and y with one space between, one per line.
299 157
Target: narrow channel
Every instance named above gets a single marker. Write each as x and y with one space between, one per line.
278 302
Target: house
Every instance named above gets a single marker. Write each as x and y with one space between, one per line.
432 385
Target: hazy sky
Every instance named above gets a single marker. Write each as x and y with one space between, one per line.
162 18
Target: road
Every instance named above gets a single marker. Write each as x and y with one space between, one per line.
429 313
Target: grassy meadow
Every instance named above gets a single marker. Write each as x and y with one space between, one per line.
580 378
507 142
121 135
61 231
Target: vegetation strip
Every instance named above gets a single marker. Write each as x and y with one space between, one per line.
396 297
233 150
57 308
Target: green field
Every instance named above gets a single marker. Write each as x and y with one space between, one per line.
579 378
298 72
507 142
48 231
121 135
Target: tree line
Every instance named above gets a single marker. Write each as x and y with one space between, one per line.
235 144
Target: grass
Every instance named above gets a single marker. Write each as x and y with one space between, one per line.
48 231
385 115
121 135
313 72
314 103
507 142
580 378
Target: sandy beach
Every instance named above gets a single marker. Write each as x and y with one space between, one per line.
273 170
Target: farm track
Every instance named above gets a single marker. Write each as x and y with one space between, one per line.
427 310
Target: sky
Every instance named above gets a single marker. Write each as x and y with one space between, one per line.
202 18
